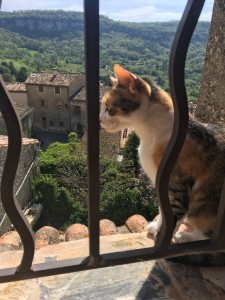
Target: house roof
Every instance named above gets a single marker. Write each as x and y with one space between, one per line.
22 110
16 87
52 78
82 94
25 141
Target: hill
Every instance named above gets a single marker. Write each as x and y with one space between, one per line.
42 40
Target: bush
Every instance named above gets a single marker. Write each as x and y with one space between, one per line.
45 191
123 194
124 189
59 205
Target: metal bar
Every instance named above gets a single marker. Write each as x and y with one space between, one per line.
163 248
108 259
9 201
91 30
178 92
218 237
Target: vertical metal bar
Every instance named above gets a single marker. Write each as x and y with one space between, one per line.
91 30
218 237
9 201
178 92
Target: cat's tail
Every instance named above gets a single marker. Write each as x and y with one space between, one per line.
209 259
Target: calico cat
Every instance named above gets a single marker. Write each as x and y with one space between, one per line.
196 181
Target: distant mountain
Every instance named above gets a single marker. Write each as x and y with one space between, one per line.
41 40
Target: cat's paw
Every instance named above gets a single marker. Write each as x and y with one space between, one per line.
153 230
186 233
181 237
154 227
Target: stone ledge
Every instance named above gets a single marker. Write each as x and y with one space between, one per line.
156 279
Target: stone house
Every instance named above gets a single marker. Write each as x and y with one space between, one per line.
18 92
79 107
18 95
49 94
28 169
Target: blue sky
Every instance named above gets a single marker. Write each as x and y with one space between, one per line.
129 10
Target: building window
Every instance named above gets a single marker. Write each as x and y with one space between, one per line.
61 124
59 104
41 104
57 89
44 123
40 89
51 123
77 110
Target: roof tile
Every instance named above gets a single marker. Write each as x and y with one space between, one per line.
52 78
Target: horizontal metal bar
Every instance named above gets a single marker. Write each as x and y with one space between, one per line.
106 260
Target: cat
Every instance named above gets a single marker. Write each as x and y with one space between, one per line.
197 178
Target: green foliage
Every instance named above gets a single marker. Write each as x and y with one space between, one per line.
123 193
10 74
58 154
45 191
22 75
41 40
130 152
73 138
59 205
62 188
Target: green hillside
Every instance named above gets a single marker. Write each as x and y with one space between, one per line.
42 40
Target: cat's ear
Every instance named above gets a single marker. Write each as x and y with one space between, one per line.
125 78
113 80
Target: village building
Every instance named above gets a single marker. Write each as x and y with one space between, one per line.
18 96
50 93
18 92
79 106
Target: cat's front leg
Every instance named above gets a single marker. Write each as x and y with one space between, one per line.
154 227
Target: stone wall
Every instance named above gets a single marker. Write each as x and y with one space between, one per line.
30 148
211 103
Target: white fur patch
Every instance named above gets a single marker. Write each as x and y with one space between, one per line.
154 226
185 236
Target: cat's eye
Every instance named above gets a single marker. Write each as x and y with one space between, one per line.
128 105
110 111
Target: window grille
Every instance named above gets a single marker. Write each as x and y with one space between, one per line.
163 248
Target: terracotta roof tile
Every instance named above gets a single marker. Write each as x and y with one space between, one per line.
25 141
82 94
52 78
16 87
22 109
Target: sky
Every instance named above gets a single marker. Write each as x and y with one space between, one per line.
119 10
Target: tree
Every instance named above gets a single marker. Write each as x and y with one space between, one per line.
22 75
211 103
130 152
